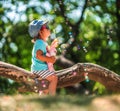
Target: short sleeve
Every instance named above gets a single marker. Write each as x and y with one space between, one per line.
40 46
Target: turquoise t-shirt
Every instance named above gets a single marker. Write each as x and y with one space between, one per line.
38 65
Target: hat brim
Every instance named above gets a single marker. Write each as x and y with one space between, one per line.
45 22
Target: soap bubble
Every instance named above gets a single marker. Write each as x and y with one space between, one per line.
74 73
70 33
78 47
110 42
87 42
60 40
44 85
84 48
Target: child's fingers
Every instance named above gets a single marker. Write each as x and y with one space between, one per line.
54 43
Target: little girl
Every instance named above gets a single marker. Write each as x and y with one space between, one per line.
39 31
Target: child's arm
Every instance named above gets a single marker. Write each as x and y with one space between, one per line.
40 56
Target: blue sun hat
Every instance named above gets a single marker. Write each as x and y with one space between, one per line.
35 26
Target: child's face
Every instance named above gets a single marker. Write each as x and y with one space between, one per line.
44 33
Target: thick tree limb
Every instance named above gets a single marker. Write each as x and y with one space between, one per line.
66 77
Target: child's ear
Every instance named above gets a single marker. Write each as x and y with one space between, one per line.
40 32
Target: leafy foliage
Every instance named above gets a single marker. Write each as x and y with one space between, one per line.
93 25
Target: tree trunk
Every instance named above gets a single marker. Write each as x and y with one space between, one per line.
66 77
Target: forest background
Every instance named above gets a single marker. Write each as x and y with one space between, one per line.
88 31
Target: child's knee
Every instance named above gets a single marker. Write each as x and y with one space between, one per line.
54 77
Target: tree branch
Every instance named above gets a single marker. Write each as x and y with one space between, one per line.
66 77
82 13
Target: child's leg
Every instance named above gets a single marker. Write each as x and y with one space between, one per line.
46 91
53 84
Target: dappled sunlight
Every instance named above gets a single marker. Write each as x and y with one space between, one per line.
88 32
106 103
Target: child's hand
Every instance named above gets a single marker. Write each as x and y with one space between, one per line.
54 43
48 48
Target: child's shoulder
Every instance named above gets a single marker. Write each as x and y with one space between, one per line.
39 41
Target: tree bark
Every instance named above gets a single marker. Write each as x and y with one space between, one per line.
66 77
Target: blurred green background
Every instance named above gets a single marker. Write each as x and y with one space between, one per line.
90 29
